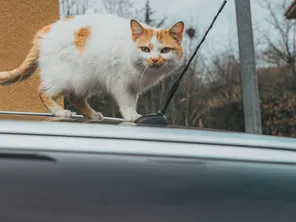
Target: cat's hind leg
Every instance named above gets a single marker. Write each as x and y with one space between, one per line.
49 100
83 107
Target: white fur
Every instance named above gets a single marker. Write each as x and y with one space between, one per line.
106 63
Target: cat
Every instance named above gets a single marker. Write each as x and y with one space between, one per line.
81 54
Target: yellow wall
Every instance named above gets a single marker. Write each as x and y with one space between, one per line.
19 20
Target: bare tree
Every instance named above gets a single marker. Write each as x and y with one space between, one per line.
280 38
150 16
123 8
75 7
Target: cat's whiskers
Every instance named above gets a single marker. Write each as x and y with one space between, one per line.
171 65
142 76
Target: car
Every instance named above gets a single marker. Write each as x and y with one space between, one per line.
57 170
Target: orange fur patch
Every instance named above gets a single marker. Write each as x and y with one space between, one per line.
164 37
46 99
160 61
19 69
82 106
69 17
44 30
145 39
81 37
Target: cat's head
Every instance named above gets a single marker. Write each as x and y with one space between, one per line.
157 50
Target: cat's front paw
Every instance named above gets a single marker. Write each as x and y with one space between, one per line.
97 116
64 113
132 117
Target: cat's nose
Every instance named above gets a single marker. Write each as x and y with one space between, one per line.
155 60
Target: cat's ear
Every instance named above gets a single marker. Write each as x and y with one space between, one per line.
137 29
177 31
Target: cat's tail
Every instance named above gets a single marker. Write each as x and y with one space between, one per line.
26 69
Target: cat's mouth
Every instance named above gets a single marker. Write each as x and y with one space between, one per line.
155 66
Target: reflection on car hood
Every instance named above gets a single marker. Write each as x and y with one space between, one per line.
48 117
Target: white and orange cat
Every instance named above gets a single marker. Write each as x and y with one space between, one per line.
79 55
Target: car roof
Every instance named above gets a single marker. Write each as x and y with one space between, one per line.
115 128
48 117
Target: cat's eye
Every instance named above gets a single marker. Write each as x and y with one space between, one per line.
165 50
145 49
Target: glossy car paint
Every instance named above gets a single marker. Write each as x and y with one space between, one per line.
76 171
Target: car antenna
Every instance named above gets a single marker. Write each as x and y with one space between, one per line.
159 118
